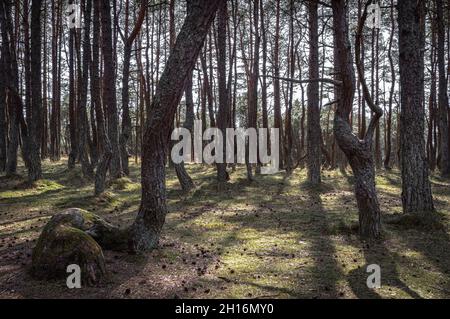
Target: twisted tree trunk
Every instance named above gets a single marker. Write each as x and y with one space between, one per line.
359 152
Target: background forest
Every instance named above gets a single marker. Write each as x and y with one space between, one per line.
90 92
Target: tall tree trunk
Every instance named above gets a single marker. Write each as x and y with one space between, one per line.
265 116
276 82
431 141
416 188
223 115
44 139
82 118
73 155
9 84
443 98
55 116
104 146
109 90
314 133
126 119
387 158
253 86
34 125
363 126
3 124
288 118
4 11
44 125
376 95
147 227
208 88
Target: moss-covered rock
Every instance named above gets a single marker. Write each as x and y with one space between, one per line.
75 236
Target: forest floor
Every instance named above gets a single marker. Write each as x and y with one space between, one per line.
276 237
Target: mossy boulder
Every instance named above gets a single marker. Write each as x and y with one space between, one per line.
75 236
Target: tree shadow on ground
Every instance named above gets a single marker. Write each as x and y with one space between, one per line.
326 271
430 238
377 253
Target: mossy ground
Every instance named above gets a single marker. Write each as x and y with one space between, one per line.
276 237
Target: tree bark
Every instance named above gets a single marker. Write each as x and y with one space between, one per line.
416 188
109 90
104 146
288 117
223 115
443 97
55 116
9 83
313 125
34 133
276 83
387 159
4 15
44 125
264 111
431 141
82 117
73 155
253 85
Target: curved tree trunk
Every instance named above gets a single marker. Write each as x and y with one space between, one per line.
183 177
146 229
